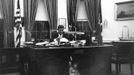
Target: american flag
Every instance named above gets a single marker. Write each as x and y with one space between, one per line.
18 26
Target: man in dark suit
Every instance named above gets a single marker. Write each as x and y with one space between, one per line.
59 34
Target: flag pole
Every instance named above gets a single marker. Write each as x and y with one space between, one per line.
18 26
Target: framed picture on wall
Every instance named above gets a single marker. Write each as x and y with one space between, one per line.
62 21
124 11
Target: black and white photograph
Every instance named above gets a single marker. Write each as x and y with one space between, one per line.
66 37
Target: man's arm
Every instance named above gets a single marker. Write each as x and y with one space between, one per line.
53 36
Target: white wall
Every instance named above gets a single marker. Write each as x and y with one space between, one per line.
113 29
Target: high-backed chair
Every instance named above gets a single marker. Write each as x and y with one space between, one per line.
11 61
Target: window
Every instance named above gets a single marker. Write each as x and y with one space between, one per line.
62 13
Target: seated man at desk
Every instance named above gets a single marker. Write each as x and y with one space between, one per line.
59 34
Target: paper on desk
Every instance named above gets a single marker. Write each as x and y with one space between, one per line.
28 42
42 43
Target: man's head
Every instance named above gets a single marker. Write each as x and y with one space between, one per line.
60 29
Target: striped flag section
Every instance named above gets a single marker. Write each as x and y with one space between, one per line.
19 34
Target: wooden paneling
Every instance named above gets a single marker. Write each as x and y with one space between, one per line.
40 30
1 34
11 60
82 26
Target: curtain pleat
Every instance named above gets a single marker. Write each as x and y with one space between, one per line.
8 16
52 14
26 14
33 10
93 9
89 5
27 19
99 11
30 9
72 11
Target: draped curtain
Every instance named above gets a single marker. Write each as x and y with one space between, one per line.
30 9
71 11
52 13
98 12
33 10
93 12
8 16
26 14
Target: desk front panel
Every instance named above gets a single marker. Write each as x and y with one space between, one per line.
92 60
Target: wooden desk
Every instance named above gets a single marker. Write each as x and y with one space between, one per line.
123 54
123 45
12 61
123 41
92 60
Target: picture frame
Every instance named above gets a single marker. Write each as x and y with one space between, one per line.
124 11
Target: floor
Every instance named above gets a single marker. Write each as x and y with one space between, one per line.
11 74
125 69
